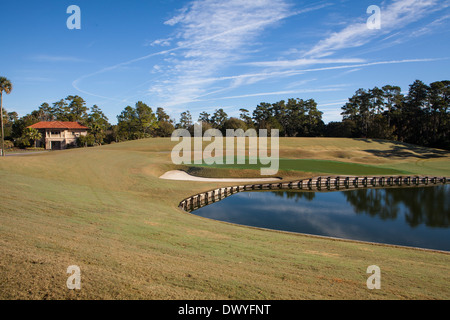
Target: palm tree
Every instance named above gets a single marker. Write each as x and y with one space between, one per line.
33 134
5 85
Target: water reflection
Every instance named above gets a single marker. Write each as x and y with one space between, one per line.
424 205
414 216
295 195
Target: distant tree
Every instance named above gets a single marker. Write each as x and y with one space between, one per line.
379 128
295 118
415 110
339 129
161 115
136 123
245 116
112 134
147 121
269 124
19 126
98 123
165 125
392 100
61 110
204 117
45 112
77 110
262 113
376 100
164 129
234 123
419 117
218 118
313 125
12 117
280 112
5 86
9 118
185 120
359 109
127 123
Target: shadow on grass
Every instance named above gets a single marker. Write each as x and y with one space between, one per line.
404 150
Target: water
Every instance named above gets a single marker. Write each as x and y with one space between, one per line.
418 217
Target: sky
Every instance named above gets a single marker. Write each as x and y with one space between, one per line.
203 55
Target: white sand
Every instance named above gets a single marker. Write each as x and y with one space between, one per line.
181 175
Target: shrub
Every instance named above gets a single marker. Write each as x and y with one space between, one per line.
86 141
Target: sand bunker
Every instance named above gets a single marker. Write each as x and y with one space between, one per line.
181 175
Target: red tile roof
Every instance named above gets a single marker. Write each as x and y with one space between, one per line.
57 125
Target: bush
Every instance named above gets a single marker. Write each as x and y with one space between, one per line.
22 142
86 141
9 144
234 123
35 149
165 129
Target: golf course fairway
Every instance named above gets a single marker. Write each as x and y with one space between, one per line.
106 210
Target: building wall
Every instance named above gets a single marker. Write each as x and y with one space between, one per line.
65 137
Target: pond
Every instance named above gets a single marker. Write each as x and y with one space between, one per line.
413 216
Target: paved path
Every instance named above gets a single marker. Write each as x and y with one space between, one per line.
24 153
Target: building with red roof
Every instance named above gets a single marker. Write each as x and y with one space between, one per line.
58 135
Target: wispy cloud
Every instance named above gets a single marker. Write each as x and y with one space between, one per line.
283 92
302 62
35 79
398 15
50 58
293 72
209 35
430 28
209 45
211 50
159 42
213 35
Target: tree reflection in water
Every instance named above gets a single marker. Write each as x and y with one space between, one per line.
295 195
420 205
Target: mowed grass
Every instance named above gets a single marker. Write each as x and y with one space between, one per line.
307 165
337 156
105 210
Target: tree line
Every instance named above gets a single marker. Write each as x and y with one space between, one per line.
420 116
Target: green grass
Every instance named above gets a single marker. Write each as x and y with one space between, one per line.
312 165
105 210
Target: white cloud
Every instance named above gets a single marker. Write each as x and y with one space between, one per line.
160 42
302 62
398 15
431 27
212 35
284 92
293 72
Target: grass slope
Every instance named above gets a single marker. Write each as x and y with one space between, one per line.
310 165
105 210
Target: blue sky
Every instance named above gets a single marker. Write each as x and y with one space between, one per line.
202 55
